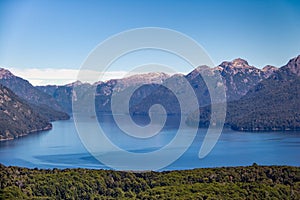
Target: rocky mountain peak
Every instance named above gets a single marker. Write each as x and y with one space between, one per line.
5 74
236 63
76 83
240 63
236 66
269 70
293 66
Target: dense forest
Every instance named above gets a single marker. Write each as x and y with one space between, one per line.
253 182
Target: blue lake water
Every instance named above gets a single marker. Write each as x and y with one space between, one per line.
62 148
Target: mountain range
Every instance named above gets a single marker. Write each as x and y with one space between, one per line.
103 90
256 99
238 77
272 104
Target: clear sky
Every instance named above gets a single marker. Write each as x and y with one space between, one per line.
59 34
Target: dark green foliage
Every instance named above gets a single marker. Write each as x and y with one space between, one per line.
12 192
254 182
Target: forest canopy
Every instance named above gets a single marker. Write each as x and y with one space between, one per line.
253 182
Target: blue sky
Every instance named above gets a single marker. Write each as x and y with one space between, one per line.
53 34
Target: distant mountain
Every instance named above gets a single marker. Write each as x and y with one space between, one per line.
103 90
36 98
158 94
272 104
17 118
62 94
237 76
257 99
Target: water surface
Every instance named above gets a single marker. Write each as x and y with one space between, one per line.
62 148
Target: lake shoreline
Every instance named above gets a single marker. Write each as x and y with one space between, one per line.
46 128
146 171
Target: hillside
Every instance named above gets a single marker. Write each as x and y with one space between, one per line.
253 182
272 104
40 101
17 118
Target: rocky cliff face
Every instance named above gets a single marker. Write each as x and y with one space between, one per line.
17 118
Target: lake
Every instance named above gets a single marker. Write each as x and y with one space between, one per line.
62 148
